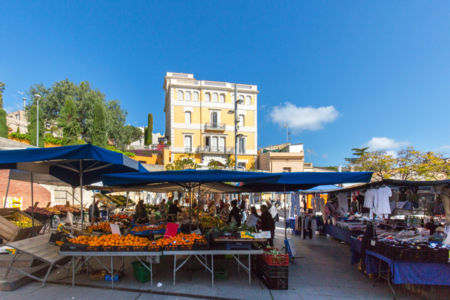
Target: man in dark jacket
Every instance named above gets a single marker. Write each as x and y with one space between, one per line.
174 209
94 212
267 223
235 213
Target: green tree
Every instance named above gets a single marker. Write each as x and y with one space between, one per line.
85 98
149 139
184 162
132 133
145 135
378 162
98 137
3 126
18 130
359 151
32 130
69 123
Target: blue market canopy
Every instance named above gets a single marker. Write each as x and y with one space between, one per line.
321 189
293 182
185 177
69 162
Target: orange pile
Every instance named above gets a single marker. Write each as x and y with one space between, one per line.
180 239
111 240
121 217
101 226
144 228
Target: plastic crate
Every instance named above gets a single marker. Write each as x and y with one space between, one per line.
141 273
153 248
186 247
275 260
274 283
109 248
116 277
220 275
124 248
171 247
201 245
440 255
274 271
94 248
73 247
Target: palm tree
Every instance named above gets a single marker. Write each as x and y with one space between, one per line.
359 151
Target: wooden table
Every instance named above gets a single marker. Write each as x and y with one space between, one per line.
40 249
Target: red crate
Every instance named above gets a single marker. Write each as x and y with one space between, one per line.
276 260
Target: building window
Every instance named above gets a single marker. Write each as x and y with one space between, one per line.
187 117
241 144
241 120
195 97
214 120
248 100
208 143
180 95
18 117
222 98
215 98
208 97
286 169
242 98
214 144
222 144
241 164
188 143
188 96
232 99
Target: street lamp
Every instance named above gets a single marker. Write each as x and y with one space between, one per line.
37 119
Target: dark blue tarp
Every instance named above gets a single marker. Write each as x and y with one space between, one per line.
185 176
65 163
306 180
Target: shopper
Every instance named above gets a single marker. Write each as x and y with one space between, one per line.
278 203
140 213
174 210
169 201
253 217
194 203
94 212
212 209
273 210
235 216
267 223
225 213
221 205
162 208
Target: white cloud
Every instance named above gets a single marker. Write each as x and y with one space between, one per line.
392 153
325 156
303 118
383 143
445 147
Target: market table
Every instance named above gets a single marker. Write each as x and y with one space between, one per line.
355 249
40 249
202 257
95 254
339 233
408 272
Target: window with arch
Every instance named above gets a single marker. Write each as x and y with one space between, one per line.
195 97
208 97
222 98
248 100
215 97
180 95
188 96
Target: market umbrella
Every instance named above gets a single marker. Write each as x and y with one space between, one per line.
74 165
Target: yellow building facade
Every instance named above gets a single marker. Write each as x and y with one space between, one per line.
199 119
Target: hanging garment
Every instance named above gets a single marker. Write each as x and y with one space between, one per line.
295 204
343 202
381 205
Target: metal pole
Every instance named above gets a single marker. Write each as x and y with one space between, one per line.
32 207
235 128
285 223
37 122
190 209
126 206
81 194
7 189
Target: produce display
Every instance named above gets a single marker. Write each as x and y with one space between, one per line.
40 211
122 217
149 227
118 200
21 224
180 240
212 222
103 226
111 240
66 209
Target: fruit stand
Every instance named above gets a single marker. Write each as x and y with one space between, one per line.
16 225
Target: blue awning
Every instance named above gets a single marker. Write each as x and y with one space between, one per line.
321 188
186 176
68 162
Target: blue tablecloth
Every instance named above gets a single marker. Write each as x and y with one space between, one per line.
355 249
290 222
339 233
406 272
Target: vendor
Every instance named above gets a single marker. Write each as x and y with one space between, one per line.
94 212
194 203
235 215
212 209
221 205
174 209
225 212
162 208
253 217
169 202
272 210
266 223
140 214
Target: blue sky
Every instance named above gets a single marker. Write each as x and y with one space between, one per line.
342 74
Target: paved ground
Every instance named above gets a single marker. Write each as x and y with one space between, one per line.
323 272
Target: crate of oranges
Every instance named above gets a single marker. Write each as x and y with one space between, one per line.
102 227
149 229
114 242
179 242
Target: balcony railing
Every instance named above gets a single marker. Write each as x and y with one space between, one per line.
188 149
241 150
215 150
215 126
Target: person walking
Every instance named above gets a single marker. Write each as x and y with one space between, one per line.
234 216
253 217
266 223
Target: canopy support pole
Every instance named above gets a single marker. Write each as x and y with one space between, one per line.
33 233
7 189
126 205
73 196
81 194
285 223
198 207
190 209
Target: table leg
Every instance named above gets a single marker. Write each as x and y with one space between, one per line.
249 270
239 266
73 271
46 275
112 273
212 269
174 268
151 271
11 264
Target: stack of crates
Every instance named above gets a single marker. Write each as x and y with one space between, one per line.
274 274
